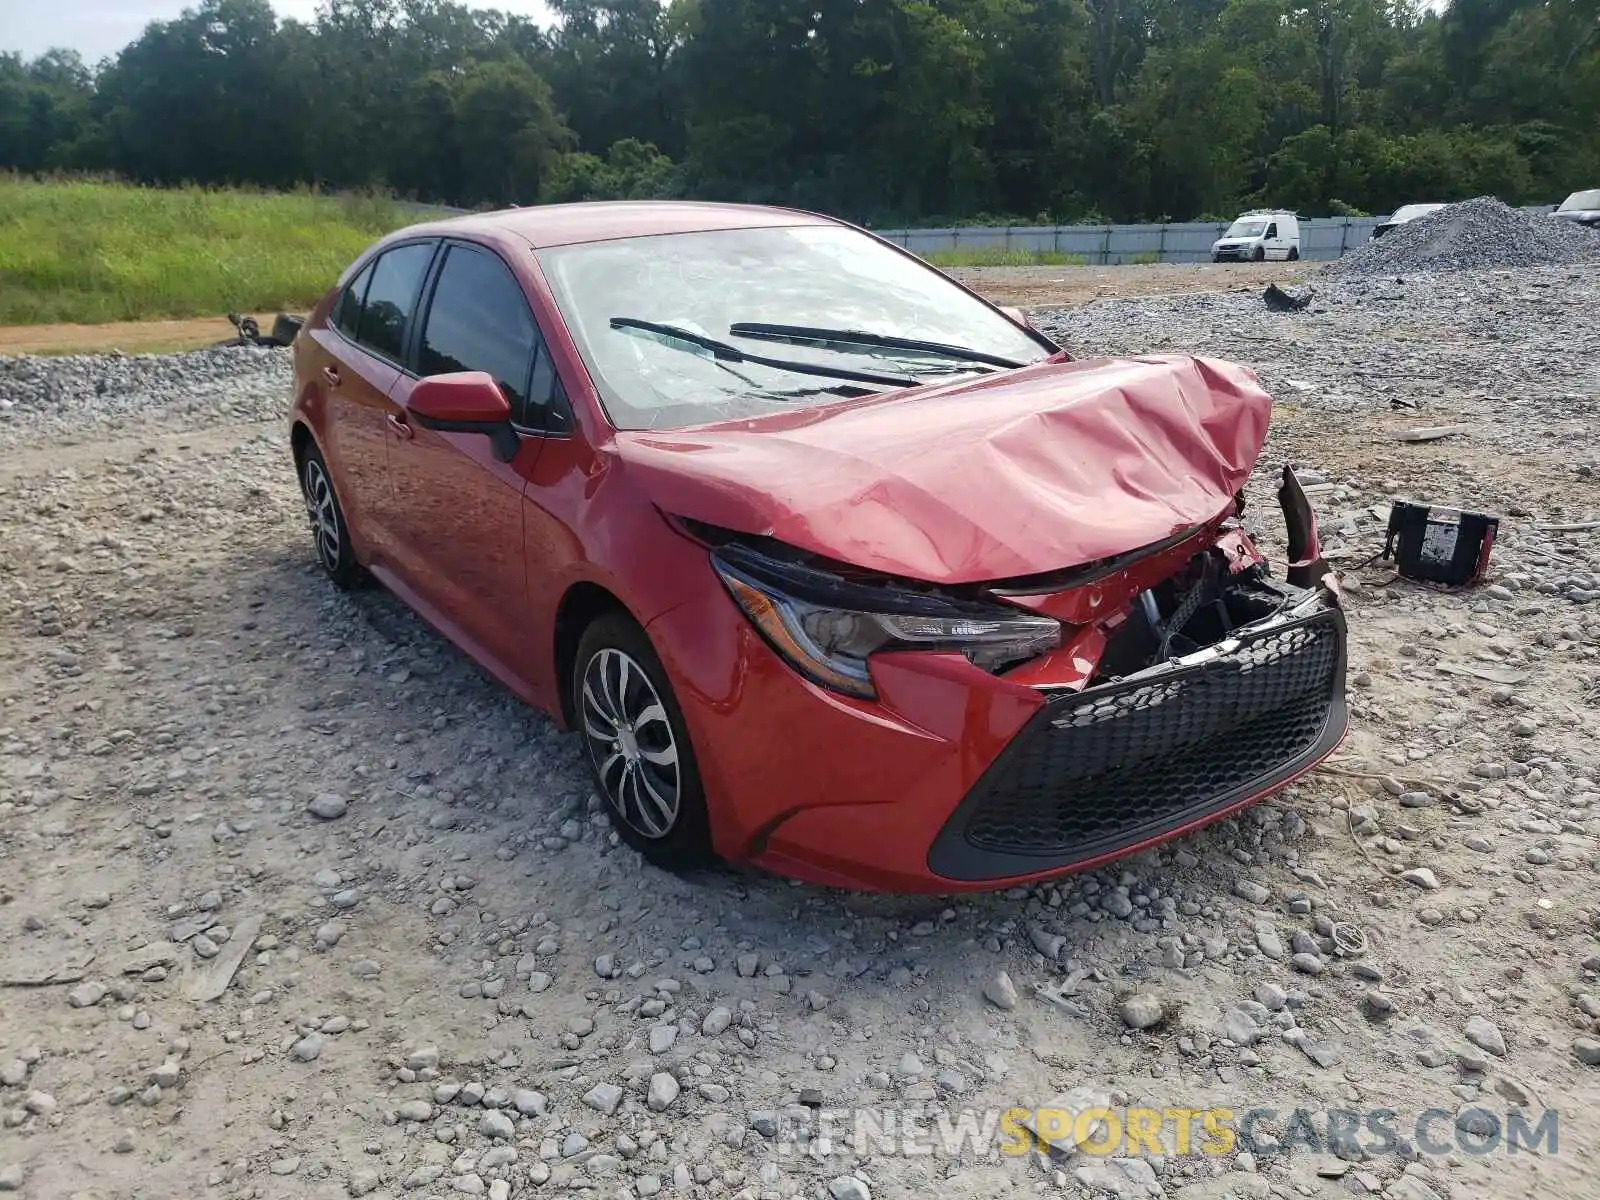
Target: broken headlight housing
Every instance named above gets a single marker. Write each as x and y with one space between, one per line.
827 627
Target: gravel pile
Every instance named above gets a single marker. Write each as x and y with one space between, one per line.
43 396
1473 234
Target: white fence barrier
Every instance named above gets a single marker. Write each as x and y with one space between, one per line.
1321 238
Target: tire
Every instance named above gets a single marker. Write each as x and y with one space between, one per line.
1216 258
1261 254
1294 253
330 535
656 804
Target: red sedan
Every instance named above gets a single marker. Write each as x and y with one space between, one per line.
835 567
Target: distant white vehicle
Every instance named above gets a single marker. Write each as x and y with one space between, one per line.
1406 212
1582 207
1260 236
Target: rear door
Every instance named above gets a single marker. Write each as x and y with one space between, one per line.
360 351
457 509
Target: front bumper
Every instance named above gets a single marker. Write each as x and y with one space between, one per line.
1233 253
956 780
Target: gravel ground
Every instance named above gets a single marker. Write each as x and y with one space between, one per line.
444 977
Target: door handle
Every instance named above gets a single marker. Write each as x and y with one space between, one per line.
332 376
398 424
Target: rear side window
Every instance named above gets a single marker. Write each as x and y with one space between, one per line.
392 299
347 310
479 321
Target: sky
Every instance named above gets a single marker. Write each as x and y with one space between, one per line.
97 29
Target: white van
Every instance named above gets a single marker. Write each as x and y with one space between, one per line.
1259 236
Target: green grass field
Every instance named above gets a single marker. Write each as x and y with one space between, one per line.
87 252
947 259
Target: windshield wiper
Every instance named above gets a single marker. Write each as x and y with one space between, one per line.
723 352
807 335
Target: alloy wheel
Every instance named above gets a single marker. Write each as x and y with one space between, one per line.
631 743
324 516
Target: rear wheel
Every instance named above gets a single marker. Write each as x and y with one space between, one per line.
1294 253
638 746
329 533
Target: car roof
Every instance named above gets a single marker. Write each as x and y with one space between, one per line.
600 221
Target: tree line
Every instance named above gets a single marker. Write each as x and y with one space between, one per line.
883 111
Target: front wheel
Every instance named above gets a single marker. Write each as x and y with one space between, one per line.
329 531
1261 254
638 746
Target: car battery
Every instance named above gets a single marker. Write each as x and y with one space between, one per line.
1447 546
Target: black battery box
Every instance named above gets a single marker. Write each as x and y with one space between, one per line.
1447 546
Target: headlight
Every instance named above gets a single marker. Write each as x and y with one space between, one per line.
826 626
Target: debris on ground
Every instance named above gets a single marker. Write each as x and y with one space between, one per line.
1281 299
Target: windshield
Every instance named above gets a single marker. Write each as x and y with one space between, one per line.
706 283
1581 201
1242 228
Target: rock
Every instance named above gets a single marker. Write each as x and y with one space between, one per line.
1249 889
1484 1034
422 1177
1587 1051
1141 1011
1308 964
286 1166
765 1122
363 1183
414 1110
1421 877
663 1091
1001 992
423 1058
662 1038
605 965
1240 1028
308 1048
40 1104
717 1020
529 1103
495 1124
86 995
12 1177
604 1097
849 1187
328 806
124 1143
1046 943
1268 941
1376 1005
1271 997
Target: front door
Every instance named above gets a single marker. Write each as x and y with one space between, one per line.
457 509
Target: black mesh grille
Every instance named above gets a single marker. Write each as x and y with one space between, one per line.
1122 762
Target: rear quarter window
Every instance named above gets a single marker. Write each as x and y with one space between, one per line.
391 299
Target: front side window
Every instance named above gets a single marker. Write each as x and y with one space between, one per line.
479 321
392 299
719 284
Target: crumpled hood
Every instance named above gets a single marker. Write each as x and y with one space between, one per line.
1020 473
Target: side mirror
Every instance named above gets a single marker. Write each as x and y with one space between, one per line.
1019 315
465 402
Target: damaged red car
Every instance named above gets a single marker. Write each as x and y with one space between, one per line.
832 566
